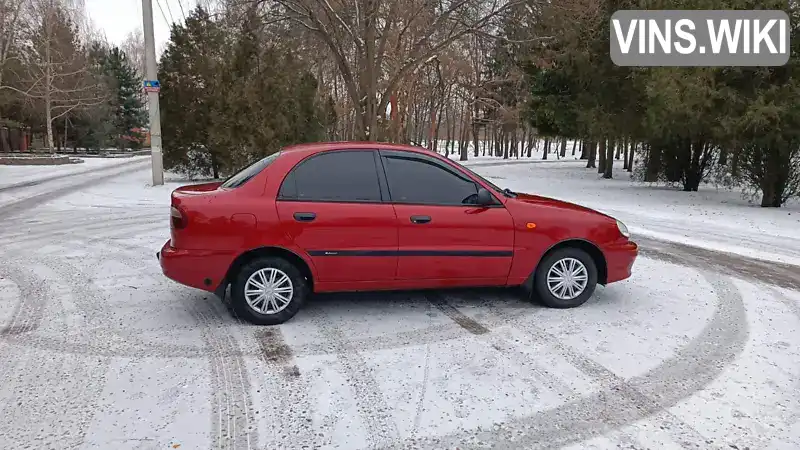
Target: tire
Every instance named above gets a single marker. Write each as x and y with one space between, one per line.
570 257
263 312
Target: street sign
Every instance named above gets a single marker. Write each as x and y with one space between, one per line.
152 86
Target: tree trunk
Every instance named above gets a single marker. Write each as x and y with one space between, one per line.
616 155
693 174
214 167
530 143
463 141
591 158
584 155
475 130
608 173
524 139
768 195
514 146
448 130
625 155
48 103
735 163
546 148
632 151
506 144
776 177
723 157
653 169
435 122
601 166
574 143
563 147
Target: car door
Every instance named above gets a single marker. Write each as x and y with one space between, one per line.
332 206
441 235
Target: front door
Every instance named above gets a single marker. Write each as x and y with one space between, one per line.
442 234
331 206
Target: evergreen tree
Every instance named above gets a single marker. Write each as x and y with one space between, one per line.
127 103
230 97
94 127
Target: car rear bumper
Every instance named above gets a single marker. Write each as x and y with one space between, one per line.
620 257
199 269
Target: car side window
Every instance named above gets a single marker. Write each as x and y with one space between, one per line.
419 181
337 176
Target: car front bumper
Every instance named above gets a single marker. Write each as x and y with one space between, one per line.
620 257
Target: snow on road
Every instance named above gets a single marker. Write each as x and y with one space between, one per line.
716 219
100 350
11 176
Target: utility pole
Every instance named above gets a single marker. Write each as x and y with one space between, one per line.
152 94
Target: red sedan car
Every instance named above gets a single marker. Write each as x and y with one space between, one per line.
371 216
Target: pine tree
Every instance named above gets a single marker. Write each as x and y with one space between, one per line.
128 107
94 127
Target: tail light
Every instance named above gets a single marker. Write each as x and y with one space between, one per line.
178 218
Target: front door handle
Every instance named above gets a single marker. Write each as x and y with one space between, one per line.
305 216
420 219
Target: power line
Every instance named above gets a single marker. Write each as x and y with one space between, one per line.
180 3
169 11
158 2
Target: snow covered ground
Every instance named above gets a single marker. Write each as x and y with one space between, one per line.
11 176
100 350
717 219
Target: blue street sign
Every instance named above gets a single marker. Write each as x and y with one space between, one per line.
152 85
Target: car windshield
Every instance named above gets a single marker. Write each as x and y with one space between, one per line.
505 192
244 175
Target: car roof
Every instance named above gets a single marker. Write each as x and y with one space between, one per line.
318 147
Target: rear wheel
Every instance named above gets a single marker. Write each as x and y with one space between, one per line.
565 278
268 291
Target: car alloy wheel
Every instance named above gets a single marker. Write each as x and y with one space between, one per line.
268 291
567 279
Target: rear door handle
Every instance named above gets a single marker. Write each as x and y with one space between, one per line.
420 219
305 216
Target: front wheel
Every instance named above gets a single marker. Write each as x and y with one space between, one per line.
268 291
566 278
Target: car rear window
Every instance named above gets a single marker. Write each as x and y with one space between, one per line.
244 175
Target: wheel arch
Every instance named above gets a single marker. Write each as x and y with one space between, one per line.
590 248
262 252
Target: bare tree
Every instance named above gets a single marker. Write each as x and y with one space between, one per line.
133 46
376 44
55 73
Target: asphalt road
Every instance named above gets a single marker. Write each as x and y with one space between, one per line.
99 350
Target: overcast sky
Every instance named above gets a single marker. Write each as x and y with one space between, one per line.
117 18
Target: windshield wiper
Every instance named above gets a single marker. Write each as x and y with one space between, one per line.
509 193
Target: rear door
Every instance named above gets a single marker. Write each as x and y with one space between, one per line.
441 235
332 206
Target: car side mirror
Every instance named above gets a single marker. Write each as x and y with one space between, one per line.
484 197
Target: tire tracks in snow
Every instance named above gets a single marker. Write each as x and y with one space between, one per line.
375 413
61 400
231 399
286 393
769 272
621 402
230 394
15 207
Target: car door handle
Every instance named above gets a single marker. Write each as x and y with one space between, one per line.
305 216
420 219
